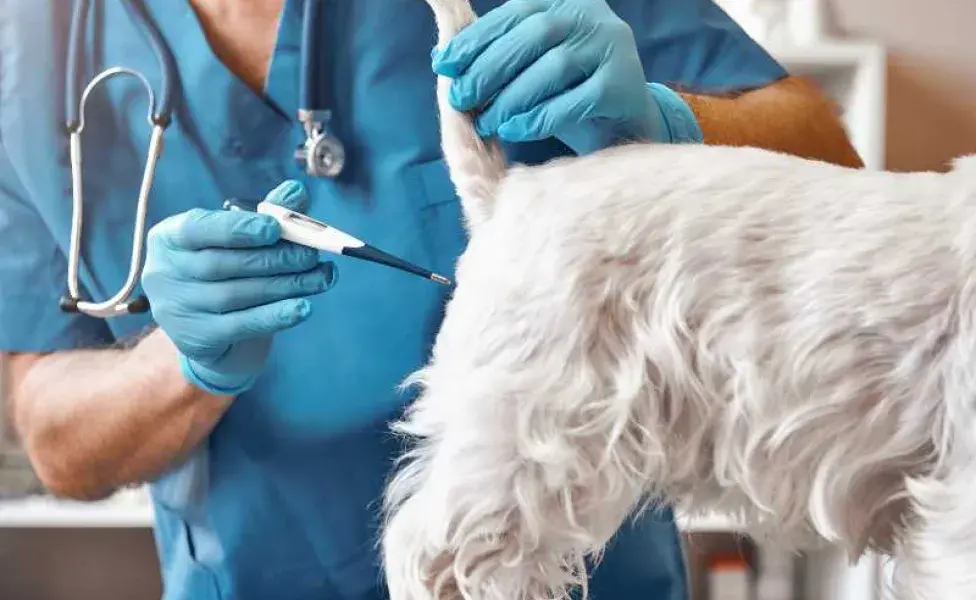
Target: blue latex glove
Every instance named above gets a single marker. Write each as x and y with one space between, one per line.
568 69
222 283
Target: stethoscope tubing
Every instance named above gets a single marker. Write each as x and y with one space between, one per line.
162 111
159 117
310 92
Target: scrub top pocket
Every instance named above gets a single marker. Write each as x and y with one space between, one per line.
441 218
195 580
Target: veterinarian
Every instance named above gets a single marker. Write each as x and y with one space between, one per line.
255 395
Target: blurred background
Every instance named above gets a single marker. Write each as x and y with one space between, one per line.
931 74
903 73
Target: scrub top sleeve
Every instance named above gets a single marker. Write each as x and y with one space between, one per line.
693 45
32 280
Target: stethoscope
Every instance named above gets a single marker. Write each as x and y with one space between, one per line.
321 154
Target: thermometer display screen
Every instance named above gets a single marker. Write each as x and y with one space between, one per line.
309 221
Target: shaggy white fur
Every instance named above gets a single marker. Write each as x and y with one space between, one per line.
715 328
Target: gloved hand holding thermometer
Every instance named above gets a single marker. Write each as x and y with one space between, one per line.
222 283
568 69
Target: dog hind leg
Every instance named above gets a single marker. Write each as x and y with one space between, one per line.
935 560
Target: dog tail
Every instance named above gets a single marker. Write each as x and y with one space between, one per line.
476 165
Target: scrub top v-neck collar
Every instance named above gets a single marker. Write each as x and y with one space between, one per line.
249 119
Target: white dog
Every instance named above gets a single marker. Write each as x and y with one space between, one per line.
714 328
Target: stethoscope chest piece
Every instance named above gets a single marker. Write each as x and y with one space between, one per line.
322 154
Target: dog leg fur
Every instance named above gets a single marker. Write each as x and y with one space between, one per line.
939 544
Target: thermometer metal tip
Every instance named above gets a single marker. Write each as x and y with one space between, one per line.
301 229
375 255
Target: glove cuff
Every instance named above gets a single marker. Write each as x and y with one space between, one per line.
679 121
214 383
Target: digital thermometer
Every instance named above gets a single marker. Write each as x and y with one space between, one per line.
306 231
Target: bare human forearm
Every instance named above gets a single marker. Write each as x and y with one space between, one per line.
790 116
94 421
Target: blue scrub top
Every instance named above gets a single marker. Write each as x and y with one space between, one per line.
281 500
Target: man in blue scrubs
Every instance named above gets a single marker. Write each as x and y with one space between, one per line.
255 397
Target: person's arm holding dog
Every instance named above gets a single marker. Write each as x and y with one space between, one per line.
791 116
572 70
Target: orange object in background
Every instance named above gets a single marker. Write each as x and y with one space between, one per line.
729 577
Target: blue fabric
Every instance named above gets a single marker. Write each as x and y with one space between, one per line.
281 500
